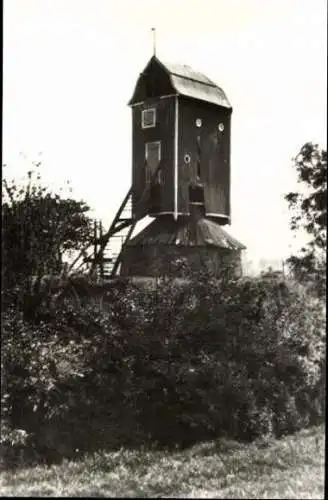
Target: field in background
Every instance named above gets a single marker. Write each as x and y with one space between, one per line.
292 467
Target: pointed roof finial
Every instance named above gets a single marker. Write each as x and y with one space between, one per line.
154 40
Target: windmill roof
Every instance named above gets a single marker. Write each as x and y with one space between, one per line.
185 232
190 83
187 72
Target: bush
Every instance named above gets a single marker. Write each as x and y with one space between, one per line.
170 365
238 362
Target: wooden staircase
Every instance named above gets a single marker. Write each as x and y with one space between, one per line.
109 247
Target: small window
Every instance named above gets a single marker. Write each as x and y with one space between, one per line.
187 158
148 118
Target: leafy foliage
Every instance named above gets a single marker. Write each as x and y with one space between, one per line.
40 232
40 228
167 366
309 211
163 365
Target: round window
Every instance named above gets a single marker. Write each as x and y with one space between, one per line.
221 127
187 158
199 122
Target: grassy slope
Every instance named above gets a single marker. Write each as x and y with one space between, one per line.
289 468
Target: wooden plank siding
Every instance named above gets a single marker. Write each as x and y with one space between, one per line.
152 82
156 88
162 199
215 154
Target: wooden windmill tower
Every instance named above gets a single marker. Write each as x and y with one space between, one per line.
181 123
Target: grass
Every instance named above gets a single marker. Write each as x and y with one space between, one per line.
292 467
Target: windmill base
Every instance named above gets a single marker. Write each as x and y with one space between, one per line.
181 248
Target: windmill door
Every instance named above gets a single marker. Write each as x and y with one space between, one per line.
153 158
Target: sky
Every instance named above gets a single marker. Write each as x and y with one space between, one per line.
70 67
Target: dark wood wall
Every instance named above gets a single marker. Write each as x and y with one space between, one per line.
215 154
152 82
214 147
154 89
162 200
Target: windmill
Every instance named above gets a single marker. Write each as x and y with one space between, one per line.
181 130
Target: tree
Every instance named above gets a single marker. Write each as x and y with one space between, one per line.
309 212
40 232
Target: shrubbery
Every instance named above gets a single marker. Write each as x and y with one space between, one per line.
166 366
